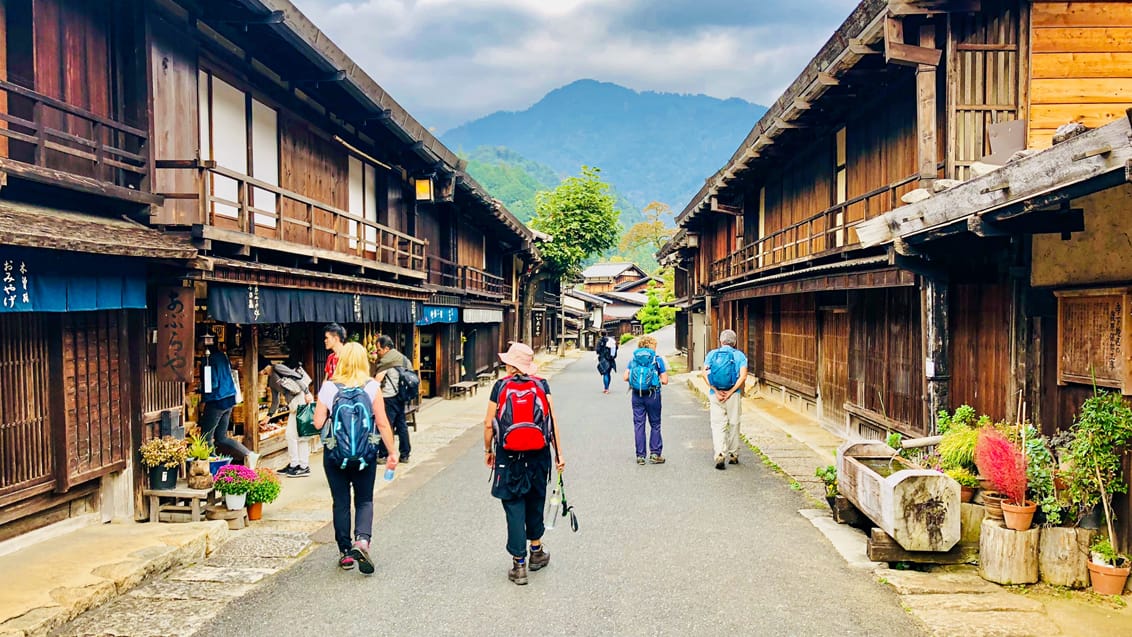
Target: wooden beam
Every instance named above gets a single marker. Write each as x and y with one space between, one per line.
1034 223
77 183
727 209
927 120
825 79
929 7
896 51
857 47
785 125
934 307
801 105
882 548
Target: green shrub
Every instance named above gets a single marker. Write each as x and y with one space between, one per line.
625 338
964 476
957 447
828 475
265 488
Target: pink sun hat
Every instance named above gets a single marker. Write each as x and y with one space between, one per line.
521 357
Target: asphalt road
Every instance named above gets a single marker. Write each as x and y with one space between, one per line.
674 549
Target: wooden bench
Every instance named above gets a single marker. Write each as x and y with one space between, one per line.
187 505
411 410
462 389
485 378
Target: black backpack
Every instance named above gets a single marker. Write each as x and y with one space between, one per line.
409 385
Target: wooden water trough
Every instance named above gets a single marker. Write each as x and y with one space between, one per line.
917 507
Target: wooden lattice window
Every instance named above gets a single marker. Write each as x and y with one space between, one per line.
1093 344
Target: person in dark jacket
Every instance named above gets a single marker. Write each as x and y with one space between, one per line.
218 393
606 359
389 368
521 476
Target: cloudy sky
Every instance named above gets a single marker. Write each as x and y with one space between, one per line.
450 61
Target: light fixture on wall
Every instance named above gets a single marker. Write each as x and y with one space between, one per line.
424 188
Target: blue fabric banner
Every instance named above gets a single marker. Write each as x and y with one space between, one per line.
52 281
260 305
431 314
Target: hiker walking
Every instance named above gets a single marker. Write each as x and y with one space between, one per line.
391 367
725 370
519 432
646 373
350 458
606 359
290 384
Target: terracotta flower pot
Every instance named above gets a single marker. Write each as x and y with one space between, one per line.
255 511
966 494
992 502
1108 580
1018 517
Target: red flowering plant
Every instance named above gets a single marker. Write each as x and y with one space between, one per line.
234 479
1002 462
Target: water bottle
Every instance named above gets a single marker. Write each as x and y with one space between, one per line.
388 475
552 509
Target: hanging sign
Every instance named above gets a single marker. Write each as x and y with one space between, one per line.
175 334
14 277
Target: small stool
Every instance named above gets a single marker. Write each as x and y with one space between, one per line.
186 505
236 520
411 415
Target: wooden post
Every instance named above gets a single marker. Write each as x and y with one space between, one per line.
249 384
926 121
1008 557
934 302
1063 554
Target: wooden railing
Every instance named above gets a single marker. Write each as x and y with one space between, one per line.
453 275
231 200
826 232
52 134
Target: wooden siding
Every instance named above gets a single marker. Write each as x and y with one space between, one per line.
173 60
881 150
314 167
96 394
1082 65
885 355
789 342
984 82
834 365
26 453
980 347
470 246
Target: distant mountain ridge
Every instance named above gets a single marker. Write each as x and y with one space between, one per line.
650 146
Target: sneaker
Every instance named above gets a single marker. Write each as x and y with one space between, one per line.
287 471
733 459
346 562
539 559
403 460
360 553
299 472
518 573
382 457
252 460
640 460
656 458
720 462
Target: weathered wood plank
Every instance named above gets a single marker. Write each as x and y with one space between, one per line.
1082 90
1109 64
1082 14
1046 172
1006 556
1051 116
882 548
1071 40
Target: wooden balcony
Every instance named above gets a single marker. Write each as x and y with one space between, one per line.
448 274
827 233
242 210
48 141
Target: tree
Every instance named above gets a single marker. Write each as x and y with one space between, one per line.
581 219
653 316
652 233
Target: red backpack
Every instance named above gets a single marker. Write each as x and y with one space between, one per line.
522 420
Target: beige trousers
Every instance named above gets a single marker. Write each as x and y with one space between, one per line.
725 423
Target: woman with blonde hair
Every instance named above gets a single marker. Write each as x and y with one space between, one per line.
352 394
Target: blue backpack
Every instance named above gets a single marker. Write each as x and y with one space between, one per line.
644 371
350 437
723 371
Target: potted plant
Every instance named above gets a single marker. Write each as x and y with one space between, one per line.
265 489
1002 462
967 480
1097 440
234 481
199 471
1041 470
1108 569
828 475
163 457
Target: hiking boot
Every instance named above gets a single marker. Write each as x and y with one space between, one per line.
641 460
720 462
518 573
733 459
360 553
656 458
346 562
539 559
299 472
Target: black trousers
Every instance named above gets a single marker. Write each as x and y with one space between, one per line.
342 482
214 427
395 412
524 519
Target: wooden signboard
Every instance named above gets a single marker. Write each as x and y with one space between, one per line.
175 334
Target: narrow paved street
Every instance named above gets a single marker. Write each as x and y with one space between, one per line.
676 549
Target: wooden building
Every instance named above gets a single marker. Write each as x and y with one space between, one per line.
606 277
859 306
175 167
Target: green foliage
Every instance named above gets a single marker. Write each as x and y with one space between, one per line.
625 338
1104 549
957 447
893 439
964 416
581 219
828 475
200 448
653 316
265 488
511 178
1040 467
1097 442
964 476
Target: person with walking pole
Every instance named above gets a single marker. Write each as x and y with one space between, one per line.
646 373
725 370
519 432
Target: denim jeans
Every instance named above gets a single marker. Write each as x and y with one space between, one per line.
647 404
395 412
605 379
341 481
214 426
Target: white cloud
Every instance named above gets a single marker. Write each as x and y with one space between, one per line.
448 61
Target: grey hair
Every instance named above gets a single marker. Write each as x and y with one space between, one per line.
728 337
